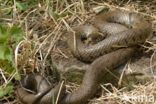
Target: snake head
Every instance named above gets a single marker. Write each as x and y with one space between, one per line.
89 33
35 89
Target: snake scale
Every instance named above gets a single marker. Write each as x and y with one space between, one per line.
123 31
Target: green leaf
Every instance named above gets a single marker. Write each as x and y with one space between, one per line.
2 52
3 39
7 66
18 76
7 34
9 37
5 53
3 34
17 33
8 54
22 6
8 90
15 30
3 29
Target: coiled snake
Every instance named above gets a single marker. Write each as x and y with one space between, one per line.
122 30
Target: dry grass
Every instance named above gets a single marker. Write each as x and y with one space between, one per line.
47 22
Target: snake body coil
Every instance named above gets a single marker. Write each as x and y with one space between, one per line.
123 30
136 32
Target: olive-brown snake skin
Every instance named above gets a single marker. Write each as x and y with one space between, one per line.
123 31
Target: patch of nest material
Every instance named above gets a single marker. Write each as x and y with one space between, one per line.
46 24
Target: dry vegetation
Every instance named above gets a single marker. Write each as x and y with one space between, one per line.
45 23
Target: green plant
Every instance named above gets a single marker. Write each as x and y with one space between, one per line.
8 90
9 38
23 6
